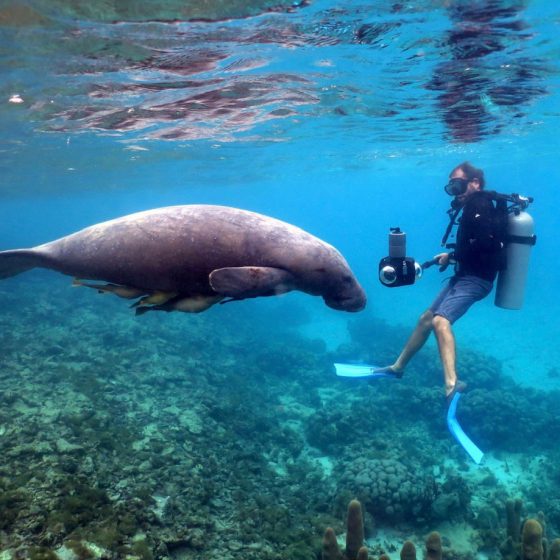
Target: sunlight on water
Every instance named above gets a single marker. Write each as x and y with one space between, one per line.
380 77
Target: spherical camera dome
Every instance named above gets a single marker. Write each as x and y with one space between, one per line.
388 275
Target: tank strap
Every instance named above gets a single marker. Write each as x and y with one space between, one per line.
452 213
522 239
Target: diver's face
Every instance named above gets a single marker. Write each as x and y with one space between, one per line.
471 186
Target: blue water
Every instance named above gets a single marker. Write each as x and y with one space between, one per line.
343 118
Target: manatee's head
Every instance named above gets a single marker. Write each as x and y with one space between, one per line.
321 270
345 294
331 277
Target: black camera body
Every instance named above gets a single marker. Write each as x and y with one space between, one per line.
397 269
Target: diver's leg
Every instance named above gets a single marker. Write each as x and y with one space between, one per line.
415 342
446 345
419 335
464 292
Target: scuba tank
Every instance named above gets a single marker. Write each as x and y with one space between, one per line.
516 228
510 287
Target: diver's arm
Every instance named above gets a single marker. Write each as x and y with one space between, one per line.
444 260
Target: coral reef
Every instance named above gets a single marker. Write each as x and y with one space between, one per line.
162 438
355 549
526 541
489 414
498 414
388 488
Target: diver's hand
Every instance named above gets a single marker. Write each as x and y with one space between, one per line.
442 260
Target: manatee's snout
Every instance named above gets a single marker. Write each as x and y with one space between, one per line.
353 299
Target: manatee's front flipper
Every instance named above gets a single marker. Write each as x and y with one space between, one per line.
121 291
251 281
191 304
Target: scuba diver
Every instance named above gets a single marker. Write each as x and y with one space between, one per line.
495 236
478 255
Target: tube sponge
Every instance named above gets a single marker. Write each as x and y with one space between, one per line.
433 546
362 554
408 551
554 552
513 518
330 546
355 530
531 540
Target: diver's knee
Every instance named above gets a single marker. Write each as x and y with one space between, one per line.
439 323
426 319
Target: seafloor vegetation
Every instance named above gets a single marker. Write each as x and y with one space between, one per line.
227 435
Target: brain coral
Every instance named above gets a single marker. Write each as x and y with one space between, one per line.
388 489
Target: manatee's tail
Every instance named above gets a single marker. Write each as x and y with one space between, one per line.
19 260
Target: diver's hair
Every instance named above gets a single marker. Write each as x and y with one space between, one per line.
472 172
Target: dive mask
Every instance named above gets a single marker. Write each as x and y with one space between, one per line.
456 187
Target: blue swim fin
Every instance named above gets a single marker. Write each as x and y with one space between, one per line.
454 427
361 370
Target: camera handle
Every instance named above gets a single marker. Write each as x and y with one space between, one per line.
429 263
435 260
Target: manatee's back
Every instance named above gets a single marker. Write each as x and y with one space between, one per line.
173 248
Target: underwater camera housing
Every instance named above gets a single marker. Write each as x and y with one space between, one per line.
397 269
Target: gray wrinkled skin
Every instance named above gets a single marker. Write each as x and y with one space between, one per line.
175 249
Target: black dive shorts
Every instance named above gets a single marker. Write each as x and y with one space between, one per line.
458 295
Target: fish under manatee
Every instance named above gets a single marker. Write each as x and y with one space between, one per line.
188 258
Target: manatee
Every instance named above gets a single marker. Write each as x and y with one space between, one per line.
188 258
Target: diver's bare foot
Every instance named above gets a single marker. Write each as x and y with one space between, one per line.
459 387
390 370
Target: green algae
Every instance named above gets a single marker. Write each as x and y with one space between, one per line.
108 537
80 505
128 524
11 502
301 551
79 549
41 553
142 549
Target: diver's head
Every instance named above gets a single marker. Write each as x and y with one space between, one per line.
464 180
